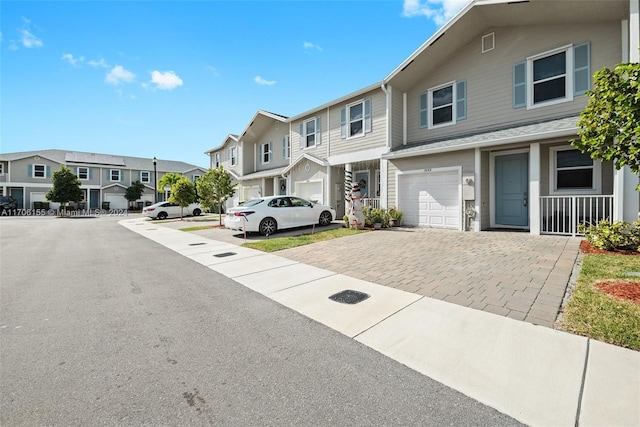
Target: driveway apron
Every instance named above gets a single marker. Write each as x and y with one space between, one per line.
513 274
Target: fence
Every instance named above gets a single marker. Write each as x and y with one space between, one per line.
562 214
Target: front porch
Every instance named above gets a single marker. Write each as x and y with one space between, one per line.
562 215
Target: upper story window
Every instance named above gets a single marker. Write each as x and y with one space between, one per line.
443 105
310 133
265 153
355 119
145 177
233 155
286 147
83 173
39 171
573 171
216 160
194 178
1 168
552 77
115 174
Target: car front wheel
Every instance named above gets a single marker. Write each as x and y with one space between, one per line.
197 212
162 215
268 226
325 218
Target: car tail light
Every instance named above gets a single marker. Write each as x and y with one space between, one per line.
150 209
243 213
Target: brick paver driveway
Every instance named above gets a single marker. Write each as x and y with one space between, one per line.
513 274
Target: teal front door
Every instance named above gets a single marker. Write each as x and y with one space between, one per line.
94 199
512 189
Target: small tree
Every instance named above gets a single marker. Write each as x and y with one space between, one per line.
66 187
610 124
183 193
214 188
134 192
168 180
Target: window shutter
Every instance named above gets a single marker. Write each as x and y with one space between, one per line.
302 136
581 69
367 115
424 122
270 150
520 85
30 170
284 147
461 100
318 131
73 170
90 173
343 123
47 171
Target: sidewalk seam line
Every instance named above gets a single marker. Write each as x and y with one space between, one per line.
382 320
584 376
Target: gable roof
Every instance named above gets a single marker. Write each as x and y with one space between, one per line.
300 158
478 16
259 124
230 137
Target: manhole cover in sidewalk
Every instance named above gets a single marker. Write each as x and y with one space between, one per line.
349 297
224 254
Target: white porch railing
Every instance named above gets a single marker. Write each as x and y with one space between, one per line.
562 214
371 202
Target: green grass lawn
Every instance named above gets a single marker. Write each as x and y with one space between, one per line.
280 243
592 313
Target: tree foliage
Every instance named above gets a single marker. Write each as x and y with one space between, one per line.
167 180
214 188
66 187
183 193
134 192
610 124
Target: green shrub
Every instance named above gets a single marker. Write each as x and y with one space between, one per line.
619 235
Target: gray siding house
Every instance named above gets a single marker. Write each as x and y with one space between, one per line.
26 176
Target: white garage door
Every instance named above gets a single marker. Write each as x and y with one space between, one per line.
431 199
116 201
310 190
251 192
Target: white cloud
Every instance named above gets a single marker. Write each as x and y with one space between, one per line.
29 40
71 60
440 11
118 75
98 64
309 45
165 81
262 81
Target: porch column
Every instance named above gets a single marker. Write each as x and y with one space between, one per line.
477 189
348 179
384 195
534 188
329 190
276 187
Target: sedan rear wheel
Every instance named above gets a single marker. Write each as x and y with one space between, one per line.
162 215
197 212
325 218
268 226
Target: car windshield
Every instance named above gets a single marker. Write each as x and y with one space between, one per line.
252 202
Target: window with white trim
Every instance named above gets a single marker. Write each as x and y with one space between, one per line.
1 168
145 177
573 171
355 119
115 174
216 160
443 105
309 133
233 155
552 77
194 178
39 171
265 153
83 173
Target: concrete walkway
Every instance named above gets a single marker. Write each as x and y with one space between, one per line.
538 375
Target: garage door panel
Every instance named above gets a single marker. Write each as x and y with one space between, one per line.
430 199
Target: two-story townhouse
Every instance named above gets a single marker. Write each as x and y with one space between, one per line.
26 176
484 112
229 155
337 144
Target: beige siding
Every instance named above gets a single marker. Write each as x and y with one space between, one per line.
20 170
396 118
274 136
489 75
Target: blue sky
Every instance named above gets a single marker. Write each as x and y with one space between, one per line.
172 78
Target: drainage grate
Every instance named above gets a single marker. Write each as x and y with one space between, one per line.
197 244
224 254
349 297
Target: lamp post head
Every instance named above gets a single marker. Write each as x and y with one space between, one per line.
154 160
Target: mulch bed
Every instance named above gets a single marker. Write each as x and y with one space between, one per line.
623 289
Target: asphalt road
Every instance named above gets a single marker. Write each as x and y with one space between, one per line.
101 327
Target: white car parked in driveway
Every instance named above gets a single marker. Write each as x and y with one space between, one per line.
266 215
164 210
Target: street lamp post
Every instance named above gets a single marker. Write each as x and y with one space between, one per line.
155 180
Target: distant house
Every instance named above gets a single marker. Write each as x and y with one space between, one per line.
26 176
471 132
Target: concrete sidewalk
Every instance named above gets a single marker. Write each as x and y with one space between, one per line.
535 374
